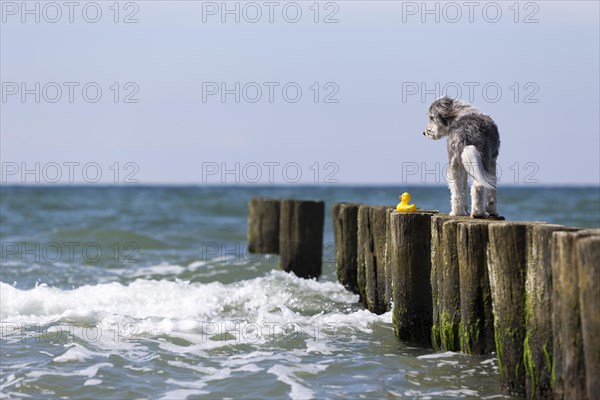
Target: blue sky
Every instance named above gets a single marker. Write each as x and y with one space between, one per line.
295 92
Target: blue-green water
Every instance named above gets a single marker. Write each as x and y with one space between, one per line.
129 292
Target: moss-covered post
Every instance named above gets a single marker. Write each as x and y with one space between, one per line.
588 263
569 365
411 270
263 225
445 282
507 265
477 319
372 235
538 345
301 237
450 312
345 231
437 262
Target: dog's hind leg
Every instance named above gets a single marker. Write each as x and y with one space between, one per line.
491 193
478 197
457 181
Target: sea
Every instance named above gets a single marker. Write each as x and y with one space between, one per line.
113 292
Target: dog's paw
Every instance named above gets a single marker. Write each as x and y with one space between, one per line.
478 215
457 214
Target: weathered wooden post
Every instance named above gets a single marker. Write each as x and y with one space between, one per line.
445 282
388 263
450 313
569 360
437 262
380 230
477 319
372 235
411 270
538 345
263 225
345 231
507 265
364 253
588 262
301 237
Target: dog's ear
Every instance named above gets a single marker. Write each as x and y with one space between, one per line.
444 109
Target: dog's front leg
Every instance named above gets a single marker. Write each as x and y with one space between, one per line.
457 181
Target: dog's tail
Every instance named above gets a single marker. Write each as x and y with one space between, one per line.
471 160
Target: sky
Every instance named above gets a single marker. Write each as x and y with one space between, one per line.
305 92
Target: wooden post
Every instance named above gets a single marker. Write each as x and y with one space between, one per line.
507 265
569 365
301 237
450 313
477 318
538 345
379 230
411 270
388 263
364 252
372 234
437 262
345 230
588 262
263 225
445 282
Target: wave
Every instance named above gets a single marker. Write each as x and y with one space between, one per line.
271 307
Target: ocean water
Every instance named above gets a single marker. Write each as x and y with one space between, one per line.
133 292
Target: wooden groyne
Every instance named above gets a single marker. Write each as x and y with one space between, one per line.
527 291
291 228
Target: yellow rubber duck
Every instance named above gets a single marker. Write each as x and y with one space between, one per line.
403 206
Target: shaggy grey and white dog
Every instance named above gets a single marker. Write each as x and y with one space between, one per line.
473 144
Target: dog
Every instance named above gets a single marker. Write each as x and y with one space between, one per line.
473 147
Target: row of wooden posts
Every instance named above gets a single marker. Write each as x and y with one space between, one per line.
527 291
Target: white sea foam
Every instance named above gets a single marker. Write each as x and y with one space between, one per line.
248 368
209 315
286 375
452 393
196 264
76 352
187 384
11 380
313 346
161 269
438 355
182 394
283 323
88 372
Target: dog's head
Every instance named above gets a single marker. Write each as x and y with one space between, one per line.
441 113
